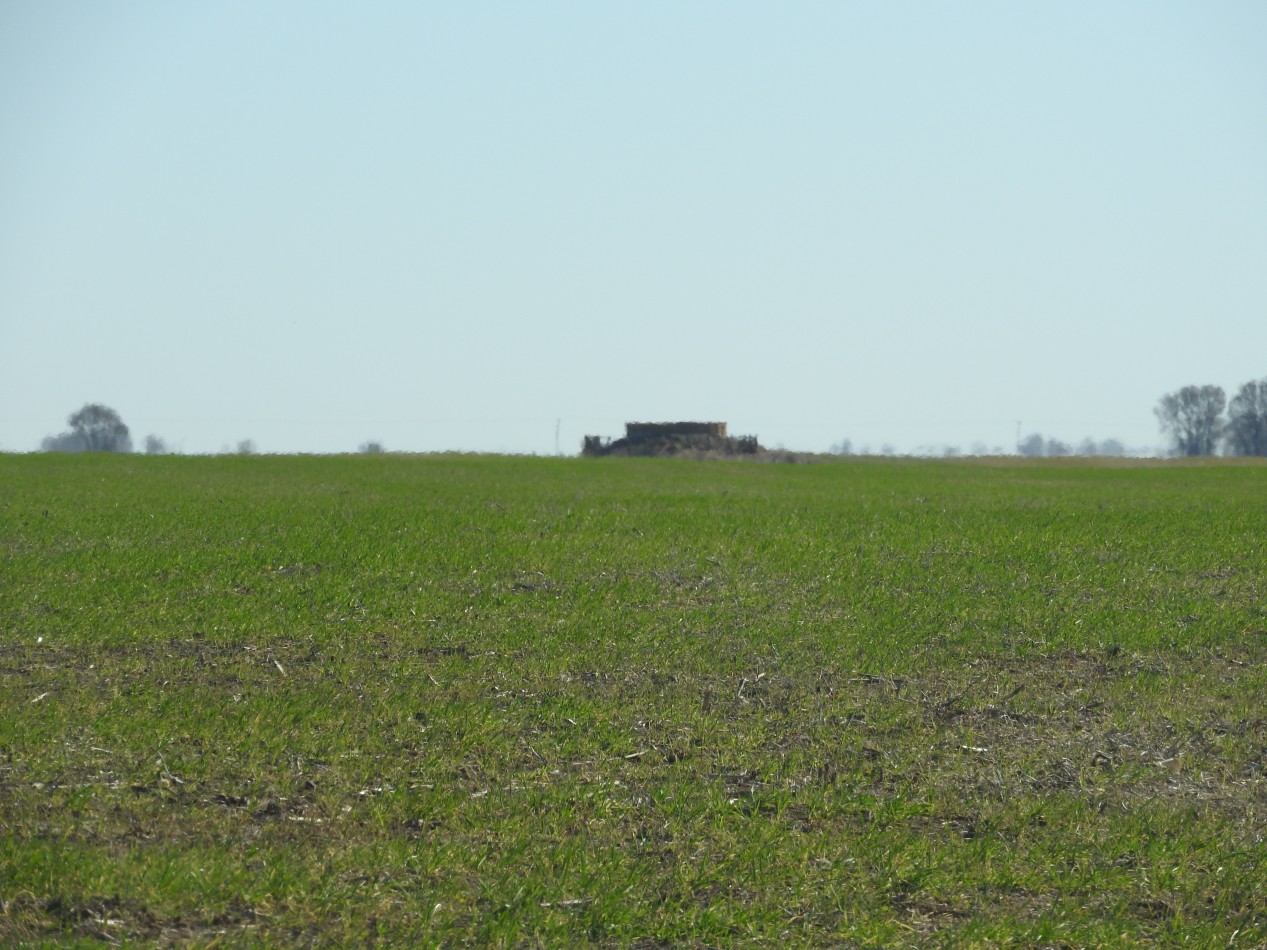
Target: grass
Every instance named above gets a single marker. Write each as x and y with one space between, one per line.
492 701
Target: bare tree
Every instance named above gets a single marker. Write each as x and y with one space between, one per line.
1057 449
94 428
247 447
1247 419
155 445
1112 447
1031 445
101 429
66 442
1193 418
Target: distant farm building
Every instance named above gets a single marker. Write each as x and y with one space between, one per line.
695 439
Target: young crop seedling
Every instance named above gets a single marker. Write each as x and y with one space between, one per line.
631 702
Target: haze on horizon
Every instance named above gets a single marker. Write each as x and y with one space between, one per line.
495 228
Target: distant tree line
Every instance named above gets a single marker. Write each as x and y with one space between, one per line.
1035 446
846 447
1193 418
1197 420
98 428
94 428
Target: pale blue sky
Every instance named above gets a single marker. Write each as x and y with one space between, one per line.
452 226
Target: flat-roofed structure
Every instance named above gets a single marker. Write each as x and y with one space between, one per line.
659 430
695 439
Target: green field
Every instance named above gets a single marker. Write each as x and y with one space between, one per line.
631 702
